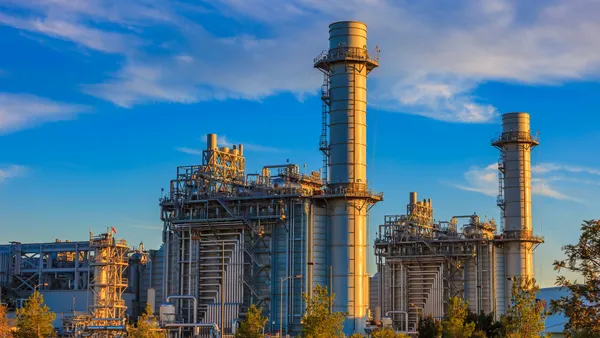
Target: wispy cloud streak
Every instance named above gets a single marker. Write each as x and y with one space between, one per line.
484 180
447 50
12 171
20 111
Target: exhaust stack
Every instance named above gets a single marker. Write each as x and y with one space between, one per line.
346 65
518 242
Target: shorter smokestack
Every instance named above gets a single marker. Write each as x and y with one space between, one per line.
413 197
211 142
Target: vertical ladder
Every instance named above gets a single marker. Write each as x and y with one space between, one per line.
351 67
500 199
323 145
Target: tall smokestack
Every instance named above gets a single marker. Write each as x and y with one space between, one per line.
515 145
346 66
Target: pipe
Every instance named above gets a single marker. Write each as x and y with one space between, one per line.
387 314
187 297
107 327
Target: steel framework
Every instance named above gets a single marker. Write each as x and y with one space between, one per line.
422 264
108 260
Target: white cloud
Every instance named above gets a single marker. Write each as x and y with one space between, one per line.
553 167
222 140
482 180
20 111
485 180
12 171
189 151
435 54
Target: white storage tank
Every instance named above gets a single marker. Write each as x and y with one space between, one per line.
167 313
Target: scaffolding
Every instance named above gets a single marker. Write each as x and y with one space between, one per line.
423 263
108 261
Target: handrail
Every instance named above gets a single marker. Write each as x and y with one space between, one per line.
341 53
516 136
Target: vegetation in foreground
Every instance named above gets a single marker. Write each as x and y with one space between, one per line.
582 304
35 319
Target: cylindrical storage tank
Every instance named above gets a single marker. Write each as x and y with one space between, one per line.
167 313
211 142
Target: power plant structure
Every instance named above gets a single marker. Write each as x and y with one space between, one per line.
83 282
422 263
234 239
515 246
108 261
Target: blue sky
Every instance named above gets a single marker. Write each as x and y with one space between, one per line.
100 100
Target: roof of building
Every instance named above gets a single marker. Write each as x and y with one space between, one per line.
555 323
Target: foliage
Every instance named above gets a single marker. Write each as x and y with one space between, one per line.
387 333
35 319
357 335
4 327
318 320
479 334
582 305
486 323
147 326
252 326
454 324
429 327
526 315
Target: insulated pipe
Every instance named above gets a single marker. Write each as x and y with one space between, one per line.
187 297
387 314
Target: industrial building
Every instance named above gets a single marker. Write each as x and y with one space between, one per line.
423 262
233 239
84 282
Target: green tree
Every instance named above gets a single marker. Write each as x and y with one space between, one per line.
429 327
252 326
387 333
357 335
582 304
479 334
147 326
35 319
454 324
486 323
318 320
5 331
526 315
